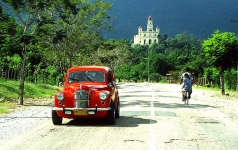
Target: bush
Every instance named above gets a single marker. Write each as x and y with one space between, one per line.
231 79
208 85
155 77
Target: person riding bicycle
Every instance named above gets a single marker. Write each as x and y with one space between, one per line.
187 86
187 71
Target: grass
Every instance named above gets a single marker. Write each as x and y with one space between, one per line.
213 89
206 88
229 94
9 93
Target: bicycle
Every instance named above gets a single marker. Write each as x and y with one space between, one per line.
186 97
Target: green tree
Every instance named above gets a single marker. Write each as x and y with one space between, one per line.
112 53
123 72
81 38
212 74
159 64
13 63
31 14
222 52
230 77
9 44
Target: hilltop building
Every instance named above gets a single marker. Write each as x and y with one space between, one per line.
149 36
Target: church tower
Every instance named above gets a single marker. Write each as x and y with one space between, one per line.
149 36
150 24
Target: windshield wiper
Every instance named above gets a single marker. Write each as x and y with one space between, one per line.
88 78
74 79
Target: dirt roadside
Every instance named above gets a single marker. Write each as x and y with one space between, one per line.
228 104
31 102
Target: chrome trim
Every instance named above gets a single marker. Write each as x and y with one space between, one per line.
95 109
81 99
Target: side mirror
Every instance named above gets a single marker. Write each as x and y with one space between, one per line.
113 83
61 84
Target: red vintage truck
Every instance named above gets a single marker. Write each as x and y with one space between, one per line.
88 92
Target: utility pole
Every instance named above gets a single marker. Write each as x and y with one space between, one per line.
148 65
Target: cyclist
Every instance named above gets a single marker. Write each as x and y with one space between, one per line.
187 71
187 86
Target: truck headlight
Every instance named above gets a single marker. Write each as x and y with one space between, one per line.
103 95
59 96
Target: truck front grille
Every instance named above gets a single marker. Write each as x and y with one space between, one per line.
81 98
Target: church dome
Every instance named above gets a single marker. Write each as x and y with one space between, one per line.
149 18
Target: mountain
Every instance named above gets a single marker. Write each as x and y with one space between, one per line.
197 17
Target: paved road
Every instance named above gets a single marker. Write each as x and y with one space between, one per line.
153 117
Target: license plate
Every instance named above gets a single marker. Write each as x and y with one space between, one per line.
80 112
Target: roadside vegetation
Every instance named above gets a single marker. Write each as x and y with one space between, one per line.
216 93
54 35
9 93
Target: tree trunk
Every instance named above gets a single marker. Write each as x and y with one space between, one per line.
36 78
12 72
8 73
15 72
43 77
222 80
22 76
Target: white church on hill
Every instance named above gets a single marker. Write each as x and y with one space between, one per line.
149 36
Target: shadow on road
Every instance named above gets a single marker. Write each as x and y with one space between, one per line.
180 104
123 121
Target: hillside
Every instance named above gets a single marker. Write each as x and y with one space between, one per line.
197 17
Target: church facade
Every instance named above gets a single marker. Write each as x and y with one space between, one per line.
149 36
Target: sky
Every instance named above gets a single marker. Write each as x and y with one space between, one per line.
197 17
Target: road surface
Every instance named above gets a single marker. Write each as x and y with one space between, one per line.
153 117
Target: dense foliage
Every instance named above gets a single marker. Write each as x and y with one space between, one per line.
68 33
222 52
